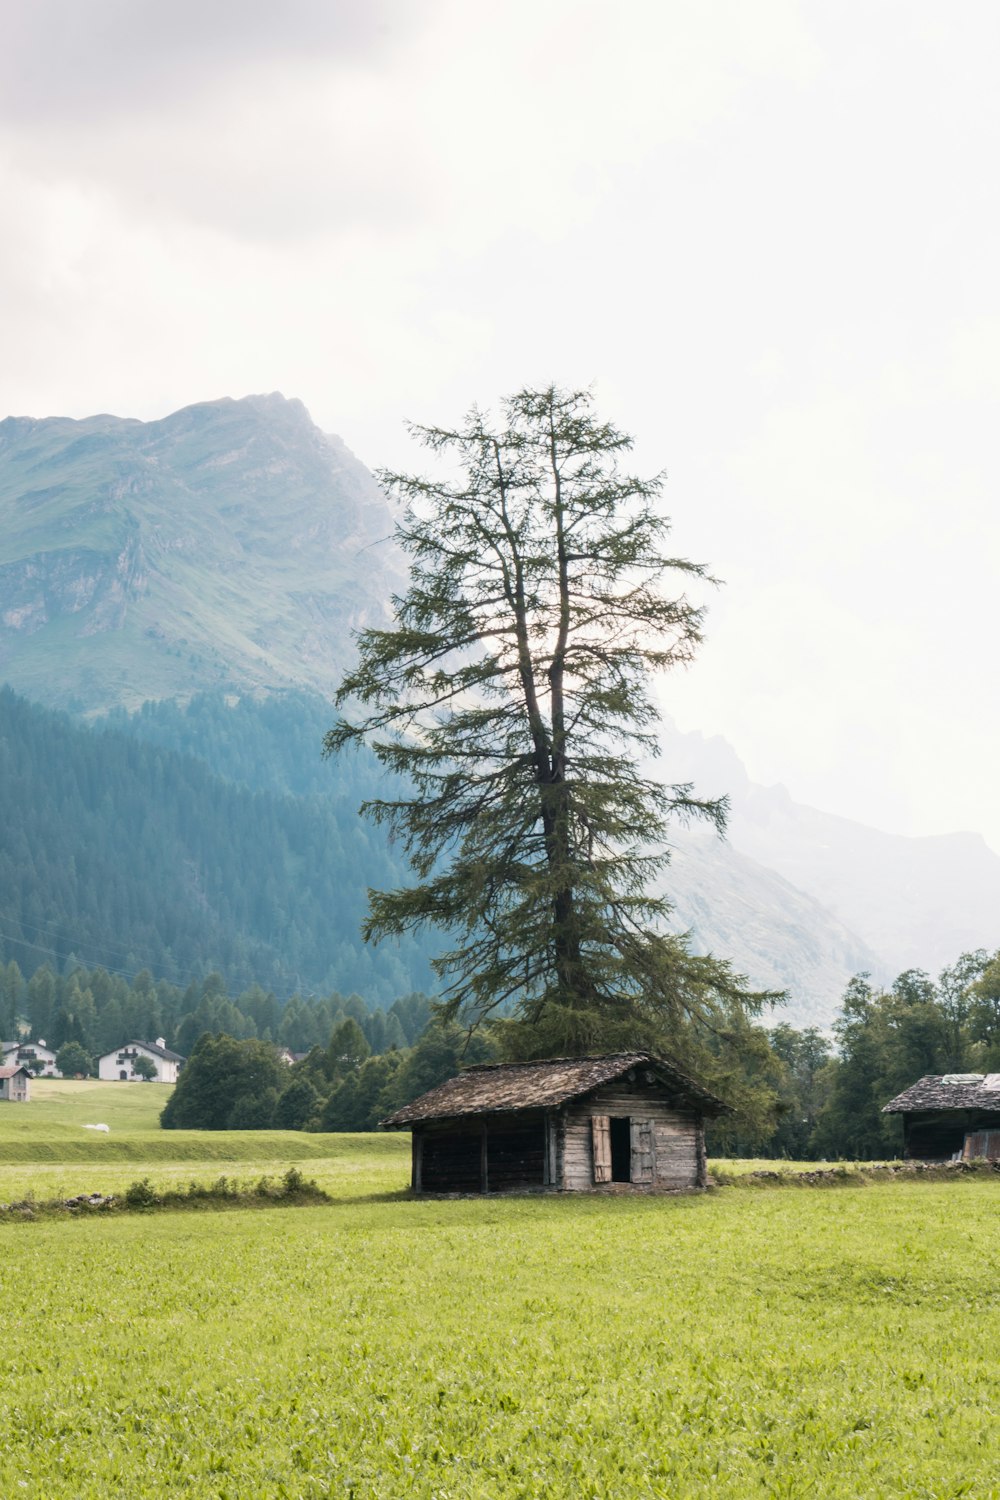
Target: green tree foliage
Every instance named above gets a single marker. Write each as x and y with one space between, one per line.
41 1002
512 695
347 1050
298 1106
226 1085
983 1012
888 1039
101 1011
133 855
12 993
73 1061
441 1051
802 1088
144 1067
358 1102
254 1111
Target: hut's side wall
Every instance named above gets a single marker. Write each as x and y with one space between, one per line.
450 1157
677 1138
484 1153
937 1135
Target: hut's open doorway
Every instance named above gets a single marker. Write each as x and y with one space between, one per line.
621 1148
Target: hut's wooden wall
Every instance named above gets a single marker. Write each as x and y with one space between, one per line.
670 1154
515 1151
937 1135
450 1158
482 1154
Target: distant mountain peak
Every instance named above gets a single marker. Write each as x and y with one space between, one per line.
230 544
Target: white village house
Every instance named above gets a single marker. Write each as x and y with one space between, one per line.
39 1060
15 1084
119 1064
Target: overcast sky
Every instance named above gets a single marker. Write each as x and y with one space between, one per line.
767 233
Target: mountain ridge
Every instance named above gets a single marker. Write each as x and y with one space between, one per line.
220 546
231 547
914 901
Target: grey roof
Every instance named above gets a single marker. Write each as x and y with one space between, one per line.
498 1088
948 1091
153 1047
13 1072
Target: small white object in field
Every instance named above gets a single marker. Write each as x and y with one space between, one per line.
105 1128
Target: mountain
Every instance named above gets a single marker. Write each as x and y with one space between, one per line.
230 545
731 905
778 935
912 902
207 569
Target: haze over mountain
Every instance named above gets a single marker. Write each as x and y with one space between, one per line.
914 902
229 550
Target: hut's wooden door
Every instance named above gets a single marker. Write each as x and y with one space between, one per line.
600 1127
643 1152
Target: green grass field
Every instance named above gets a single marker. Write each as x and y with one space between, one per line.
46 1149
788 1342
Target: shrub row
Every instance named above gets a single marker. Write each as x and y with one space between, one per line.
142 1197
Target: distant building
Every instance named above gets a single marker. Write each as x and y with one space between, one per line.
631 1122
39 1060
15 1084
950 1115
119 1064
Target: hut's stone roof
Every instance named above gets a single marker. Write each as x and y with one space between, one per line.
497 1088
948 1091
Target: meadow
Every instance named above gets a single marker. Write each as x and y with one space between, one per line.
791 1342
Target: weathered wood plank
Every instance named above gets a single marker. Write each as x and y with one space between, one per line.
600 1131
642 1167
665 1138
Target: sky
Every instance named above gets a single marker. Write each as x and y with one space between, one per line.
766 235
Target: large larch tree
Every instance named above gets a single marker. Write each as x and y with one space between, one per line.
512 696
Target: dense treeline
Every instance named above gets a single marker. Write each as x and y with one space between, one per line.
232 1085
271 744
137 856
100 1011
831 1093
211 839
816 1096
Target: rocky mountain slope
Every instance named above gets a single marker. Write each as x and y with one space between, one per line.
778 935
230 545
912 902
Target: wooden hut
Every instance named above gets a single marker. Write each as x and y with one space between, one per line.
949 1115
592 1124
15 1083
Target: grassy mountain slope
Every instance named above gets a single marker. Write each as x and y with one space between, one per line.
231 544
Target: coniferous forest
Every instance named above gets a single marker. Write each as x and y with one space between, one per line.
199 872
184 843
